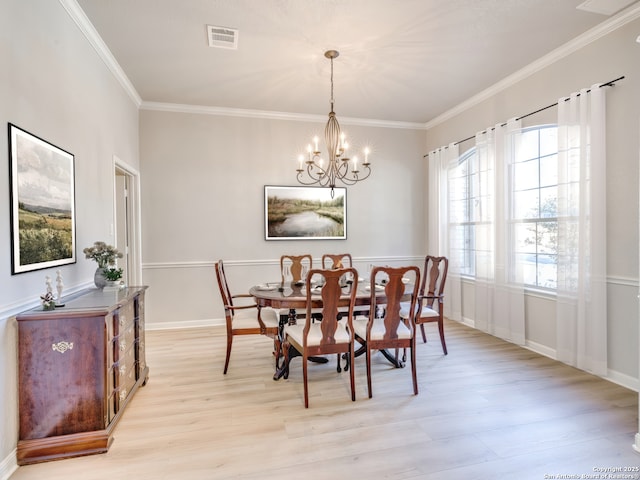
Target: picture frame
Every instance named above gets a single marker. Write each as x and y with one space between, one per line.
42 179
305 213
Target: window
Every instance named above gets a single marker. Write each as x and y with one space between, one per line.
534 208
463 180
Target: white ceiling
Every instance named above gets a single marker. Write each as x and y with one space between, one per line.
400 60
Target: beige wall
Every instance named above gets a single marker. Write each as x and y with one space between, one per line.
54 85
615 54
203 179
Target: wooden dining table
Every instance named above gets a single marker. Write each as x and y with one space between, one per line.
293 297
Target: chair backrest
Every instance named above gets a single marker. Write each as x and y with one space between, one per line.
434 277
294 268
334 295
395 289
337 260
225 293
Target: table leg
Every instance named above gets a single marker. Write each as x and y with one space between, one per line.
291 319
284 320
394 361
363 349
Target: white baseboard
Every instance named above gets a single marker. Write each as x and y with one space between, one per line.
623 380
8 465
612 376
541 349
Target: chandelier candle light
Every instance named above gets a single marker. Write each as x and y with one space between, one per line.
339 166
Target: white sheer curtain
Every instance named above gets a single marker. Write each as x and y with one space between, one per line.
438 221
498 299
581 314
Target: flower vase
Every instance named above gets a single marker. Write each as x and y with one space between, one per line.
99 279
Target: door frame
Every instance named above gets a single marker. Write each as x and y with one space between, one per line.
134 218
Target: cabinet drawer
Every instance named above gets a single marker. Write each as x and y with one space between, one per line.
130 378
123 343
123 317
122 368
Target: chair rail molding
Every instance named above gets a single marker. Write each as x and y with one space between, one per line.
274 261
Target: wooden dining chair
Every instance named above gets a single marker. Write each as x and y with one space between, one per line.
387 329
245 319
337 260
341 260
434 276
294 268
334 334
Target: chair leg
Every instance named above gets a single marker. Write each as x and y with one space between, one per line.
277 351
286 349
304 377
350 359
414 374
339 368
441 330
424 335
368 355
226 362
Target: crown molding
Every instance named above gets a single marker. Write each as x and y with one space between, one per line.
91 34
272 115
568 48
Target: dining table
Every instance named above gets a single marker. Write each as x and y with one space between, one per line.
292 297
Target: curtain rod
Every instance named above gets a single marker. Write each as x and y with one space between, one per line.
610 83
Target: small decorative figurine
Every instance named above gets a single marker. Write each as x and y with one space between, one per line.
59 287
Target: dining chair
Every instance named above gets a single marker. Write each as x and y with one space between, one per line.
434 276
246 319
334 334
294 268
337 260
386 329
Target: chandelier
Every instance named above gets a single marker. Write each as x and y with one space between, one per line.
338 165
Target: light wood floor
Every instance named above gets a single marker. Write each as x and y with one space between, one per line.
488 410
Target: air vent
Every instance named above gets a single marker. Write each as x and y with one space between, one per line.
222 37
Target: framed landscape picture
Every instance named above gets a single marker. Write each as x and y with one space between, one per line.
42 203
305 213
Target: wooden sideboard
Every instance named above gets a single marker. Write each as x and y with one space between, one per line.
78 367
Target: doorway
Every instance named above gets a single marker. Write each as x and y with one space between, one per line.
127 221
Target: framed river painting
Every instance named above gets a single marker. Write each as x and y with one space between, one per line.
42 203
305 213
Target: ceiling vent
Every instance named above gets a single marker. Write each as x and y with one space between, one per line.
222 37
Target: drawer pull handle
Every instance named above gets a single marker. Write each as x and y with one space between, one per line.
62 346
